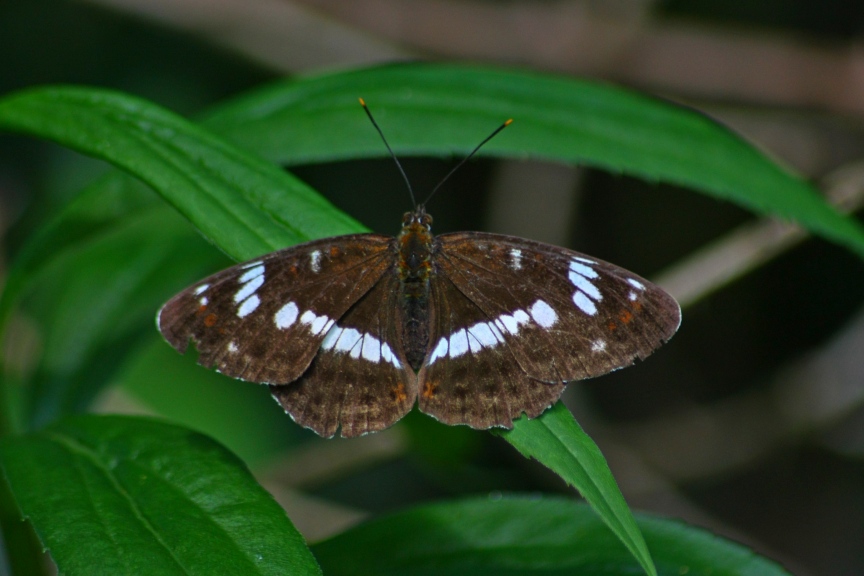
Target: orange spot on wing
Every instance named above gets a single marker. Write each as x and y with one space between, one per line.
210 320
429 389
611 326
399 394
637 306
202 308
334 251
626 316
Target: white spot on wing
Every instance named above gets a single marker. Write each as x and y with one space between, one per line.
248 265
347 340
357 350
474 345
204 301
252 273
248 288
331 338
632 296
476 337
201 289
371 348
582 269
585 285
386 353
584 303
543 314
440 350
516 259
388 356
358 345
315 261
232 347
458 344
286 316
511 323
319 324
636 284
248 306
598 346
484 335
521 316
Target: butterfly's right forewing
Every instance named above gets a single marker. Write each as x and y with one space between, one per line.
564 316
265 320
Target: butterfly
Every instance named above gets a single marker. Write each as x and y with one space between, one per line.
350 332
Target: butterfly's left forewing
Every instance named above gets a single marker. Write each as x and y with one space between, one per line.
264 320
562 315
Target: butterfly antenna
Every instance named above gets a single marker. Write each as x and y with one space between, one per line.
392 155
468 157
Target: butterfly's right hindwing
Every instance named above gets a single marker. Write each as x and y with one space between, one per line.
360 381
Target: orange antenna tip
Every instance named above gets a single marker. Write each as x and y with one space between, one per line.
362 102
507 123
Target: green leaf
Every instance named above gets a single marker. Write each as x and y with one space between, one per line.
209 402
89 214
557 441
94 299
119 495
246 205
444 109
119 237
523 536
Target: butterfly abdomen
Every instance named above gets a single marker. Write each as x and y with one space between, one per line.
415 268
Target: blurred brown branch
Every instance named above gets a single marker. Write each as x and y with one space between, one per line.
813 394
621 41
615 40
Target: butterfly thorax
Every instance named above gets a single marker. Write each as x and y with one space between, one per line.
415 246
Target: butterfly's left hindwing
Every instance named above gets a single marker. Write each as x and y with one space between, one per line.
472 375
264 320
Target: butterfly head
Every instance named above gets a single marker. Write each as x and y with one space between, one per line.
418 218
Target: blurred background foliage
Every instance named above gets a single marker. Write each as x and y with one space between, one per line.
751 423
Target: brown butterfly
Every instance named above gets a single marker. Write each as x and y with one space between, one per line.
349 332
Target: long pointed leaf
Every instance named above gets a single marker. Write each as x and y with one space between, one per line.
557 441
442 109
119 495
525 536
246 205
